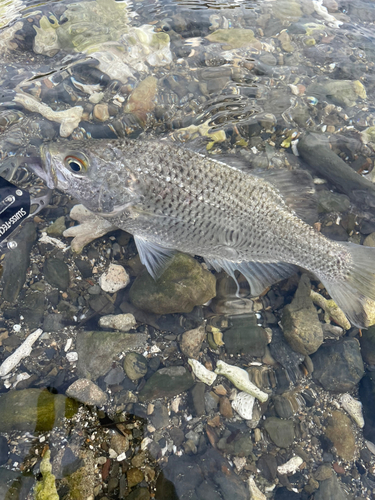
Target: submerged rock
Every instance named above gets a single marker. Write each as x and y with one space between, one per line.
234 38
280 431
191 342
34 410
85 391
167 382
181 287
135 365
339 431
300 321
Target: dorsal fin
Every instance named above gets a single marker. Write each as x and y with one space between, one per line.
297 189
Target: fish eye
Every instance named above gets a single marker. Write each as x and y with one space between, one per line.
76 162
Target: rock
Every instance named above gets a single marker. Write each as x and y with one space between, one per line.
96 350
330 488
34 410
286 494
287 404
280 431
268 466
341 92
288 358
121 322
225 407
367 342
135 365
160 417
245 336
332 202
101 112
287 10
142 100
241 445
114 279
139 494
234 38
339 431
300 321
323 472
4 450
32 308
367 397
119 443
85 391
369 240
191 342
53 322
114 376
183 285
57 228
338 365
56 272
211 402
16 262
166 382
134 477
197 394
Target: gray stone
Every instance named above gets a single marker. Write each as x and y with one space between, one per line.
85 391
96 350
211 401
53 322
367 342
181 287
167 382
56 272
121 322
241 445
160 417
191 342
4 450
135 365
32 308
332 202
16 262
114 376
56 228
339 431
139 494
330 489
280 431
245 337
197 394
177 436
338 365
300 321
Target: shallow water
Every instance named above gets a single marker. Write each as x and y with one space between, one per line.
251 79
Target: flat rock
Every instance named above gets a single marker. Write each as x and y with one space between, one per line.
280 431
32 308
96 350
56 272
338 365
85 391
300 321
167 382
183 285
135 365
245 336
339 431
34 410
330 488
191 342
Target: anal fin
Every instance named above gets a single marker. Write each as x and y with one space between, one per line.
155 257
259 275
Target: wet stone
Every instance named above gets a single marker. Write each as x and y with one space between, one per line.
197 394
267 464
57 228
96 350
339 431
134 477
367 342
280 431
167 382
53 322
121 322
56 273
332 202
139 494
300 321
241 445
330 488
369 240
338 365
191 342
211 401
177 436
114 279
135 365
245 336
32 308
225 408
33 410
114 376
183 285
4 450
160 417
16 262
85 391
323 472
84 267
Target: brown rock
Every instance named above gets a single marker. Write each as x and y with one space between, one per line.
339 431
101 112
134 477
226 408
191 342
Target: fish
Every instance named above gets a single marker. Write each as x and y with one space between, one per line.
171 198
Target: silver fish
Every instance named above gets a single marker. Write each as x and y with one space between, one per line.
171 198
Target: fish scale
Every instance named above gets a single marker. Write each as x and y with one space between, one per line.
171 198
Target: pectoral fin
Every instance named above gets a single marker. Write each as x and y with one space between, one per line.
155 257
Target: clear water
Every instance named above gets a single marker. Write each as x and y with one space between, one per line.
291 67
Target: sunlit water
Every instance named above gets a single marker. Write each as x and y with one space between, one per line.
240 77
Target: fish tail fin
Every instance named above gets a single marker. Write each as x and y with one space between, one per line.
352 293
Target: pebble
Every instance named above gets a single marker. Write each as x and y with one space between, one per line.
85 391
225 408
291 466
56 273
121 322
280 431
191 342
166 382
114 279
101 112
339 431
354 408
135 365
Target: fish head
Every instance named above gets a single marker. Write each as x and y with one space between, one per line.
93 172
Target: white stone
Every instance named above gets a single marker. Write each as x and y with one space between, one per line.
121 457
122 322
354 408
68 345
21 352
255 493
239 463
291 466
114 279
201 372
240 378
72 356
243 404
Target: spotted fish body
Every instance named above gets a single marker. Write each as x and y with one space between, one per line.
171 198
